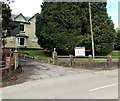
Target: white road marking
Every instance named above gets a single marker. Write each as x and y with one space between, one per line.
104 87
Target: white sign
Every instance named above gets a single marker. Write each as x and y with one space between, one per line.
79 51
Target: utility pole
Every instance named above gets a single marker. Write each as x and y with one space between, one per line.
0 25
0 33
93 51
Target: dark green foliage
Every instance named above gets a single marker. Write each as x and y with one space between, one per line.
6 16
117 42
103 28
65 25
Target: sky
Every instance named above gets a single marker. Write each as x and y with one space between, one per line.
31 7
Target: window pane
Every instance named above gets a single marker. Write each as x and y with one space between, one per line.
21 41
21 27
34 40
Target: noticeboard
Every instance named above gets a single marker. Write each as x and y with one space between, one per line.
79 51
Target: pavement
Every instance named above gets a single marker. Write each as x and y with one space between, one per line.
80 85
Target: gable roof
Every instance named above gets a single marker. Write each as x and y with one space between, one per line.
26 18
20 15
33 16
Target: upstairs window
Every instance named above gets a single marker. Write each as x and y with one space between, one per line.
34 40
21 28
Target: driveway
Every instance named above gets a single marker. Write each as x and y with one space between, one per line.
87 85
33 70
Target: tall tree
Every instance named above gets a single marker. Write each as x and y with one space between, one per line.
6 18
65 25
103 28
117 42
7 23
61 25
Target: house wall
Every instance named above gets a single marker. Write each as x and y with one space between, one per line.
20 18
29 30
11 42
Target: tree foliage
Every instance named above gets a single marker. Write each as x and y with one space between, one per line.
65 25
6 18
117 42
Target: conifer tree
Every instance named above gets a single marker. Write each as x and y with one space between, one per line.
66 25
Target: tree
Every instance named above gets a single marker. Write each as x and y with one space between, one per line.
103 28
66 25
6 18
117 42
61 25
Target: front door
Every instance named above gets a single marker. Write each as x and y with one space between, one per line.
21 41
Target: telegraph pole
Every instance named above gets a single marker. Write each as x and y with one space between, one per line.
93 51
0 25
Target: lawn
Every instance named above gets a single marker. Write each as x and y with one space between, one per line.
45 56
114 55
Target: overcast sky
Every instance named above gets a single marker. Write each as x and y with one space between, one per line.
31 7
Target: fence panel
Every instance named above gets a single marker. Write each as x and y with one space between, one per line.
88 62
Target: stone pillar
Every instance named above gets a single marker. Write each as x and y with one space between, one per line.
109 59
15 54
8 63
54 56
16 59
71 60
90 58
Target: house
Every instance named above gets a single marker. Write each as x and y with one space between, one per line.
23 35
117 29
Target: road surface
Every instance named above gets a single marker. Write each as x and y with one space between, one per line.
88 85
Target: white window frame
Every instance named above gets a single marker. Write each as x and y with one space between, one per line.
11 39
34 40
18 41
23 28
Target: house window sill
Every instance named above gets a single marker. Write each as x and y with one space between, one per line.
22 31
21 46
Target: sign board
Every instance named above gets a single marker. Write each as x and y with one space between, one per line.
79 51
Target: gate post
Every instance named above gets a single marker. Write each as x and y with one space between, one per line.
109 60
16 59
8 63
54 56
90 58
71 60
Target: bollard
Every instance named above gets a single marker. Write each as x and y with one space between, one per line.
90 58
71 60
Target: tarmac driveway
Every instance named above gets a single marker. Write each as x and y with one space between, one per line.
34 70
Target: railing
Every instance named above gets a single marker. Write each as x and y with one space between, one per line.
9 64
2 64
86 61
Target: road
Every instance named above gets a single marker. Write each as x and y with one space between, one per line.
88 85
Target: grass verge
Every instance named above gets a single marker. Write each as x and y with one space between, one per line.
42 55
45 56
